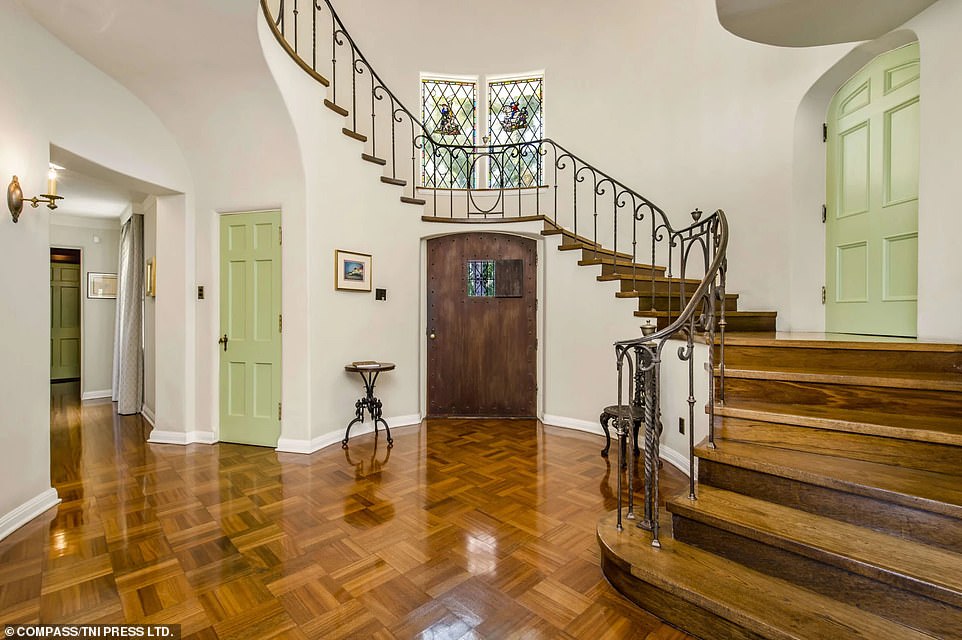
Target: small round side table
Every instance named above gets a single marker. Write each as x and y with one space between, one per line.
369 371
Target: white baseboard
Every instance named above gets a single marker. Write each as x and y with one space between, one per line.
291 445
13 520
669 455
574 423
148 414
96 395
181 437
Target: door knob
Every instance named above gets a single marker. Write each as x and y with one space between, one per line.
432 335
223 341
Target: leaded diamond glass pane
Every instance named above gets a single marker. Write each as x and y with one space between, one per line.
516 114
449 113
481 279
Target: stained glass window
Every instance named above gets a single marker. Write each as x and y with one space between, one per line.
516 114
481 279
449 113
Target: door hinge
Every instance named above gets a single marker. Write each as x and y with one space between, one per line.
824 132
278 410
824 213
280 323
823 295
280 236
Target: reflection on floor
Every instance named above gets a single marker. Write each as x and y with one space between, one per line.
465 529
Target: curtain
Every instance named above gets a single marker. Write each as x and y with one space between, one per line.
128 387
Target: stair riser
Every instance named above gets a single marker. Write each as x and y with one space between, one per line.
875 513
878 449
899 603
893 400
758 357
670 608
645 286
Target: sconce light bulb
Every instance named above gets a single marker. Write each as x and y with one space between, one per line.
52 182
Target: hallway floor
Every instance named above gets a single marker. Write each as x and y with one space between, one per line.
465 529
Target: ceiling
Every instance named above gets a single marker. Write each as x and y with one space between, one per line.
806 23
93 191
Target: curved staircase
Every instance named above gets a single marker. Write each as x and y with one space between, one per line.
829 507
829 504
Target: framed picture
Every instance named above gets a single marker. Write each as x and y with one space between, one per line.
101 285
352 271
150 278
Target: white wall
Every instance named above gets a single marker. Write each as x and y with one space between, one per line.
149 210
97 316
103 122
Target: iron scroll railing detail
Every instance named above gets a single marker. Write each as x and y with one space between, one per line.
615 226
704 314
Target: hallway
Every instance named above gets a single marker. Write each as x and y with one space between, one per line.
465 529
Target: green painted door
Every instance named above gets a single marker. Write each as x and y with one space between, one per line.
871 236
250 328
64 321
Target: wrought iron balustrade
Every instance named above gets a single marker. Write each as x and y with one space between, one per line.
618 226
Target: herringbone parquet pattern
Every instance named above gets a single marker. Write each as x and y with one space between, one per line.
465 529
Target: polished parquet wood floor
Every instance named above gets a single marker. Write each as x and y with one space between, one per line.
465 529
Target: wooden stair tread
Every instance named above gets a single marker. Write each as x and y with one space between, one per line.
335 107
409 200
398 182
647 279
924 428
674 294
728 314
895 379
837 341
766 606
931 571
914 488
627 264
360 137
594 248
911 454
373 159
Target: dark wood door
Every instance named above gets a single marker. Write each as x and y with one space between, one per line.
482 328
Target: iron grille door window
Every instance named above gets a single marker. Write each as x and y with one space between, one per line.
450 114
516 116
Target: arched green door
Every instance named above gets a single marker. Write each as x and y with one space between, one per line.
871 236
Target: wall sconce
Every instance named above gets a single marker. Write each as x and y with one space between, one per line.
15 197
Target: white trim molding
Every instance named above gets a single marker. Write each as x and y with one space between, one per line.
96 395
16 518
148 415
181 437
291 445
669 455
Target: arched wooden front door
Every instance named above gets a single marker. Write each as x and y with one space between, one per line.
482 327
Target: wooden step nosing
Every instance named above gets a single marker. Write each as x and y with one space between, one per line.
397 182
753 340
933 436
373 159
409 200
336 108
877 569
350 133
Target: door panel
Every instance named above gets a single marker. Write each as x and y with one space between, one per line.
65 299
250 367
482 360
873 185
